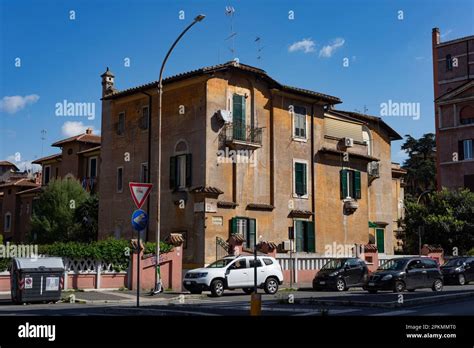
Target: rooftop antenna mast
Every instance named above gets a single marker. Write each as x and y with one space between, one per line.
43 138
229 12
258 40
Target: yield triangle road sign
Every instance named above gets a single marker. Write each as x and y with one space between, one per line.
140 192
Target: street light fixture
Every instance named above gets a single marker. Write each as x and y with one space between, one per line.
158 287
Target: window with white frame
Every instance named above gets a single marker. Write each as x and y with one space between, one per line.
299 122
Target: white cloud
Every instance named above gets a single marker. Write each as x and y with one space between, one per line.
419 58
446 33
16 103
23 165
72 128
305 45
328 50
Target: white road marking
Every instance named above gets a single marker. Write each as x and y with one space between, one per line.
399 312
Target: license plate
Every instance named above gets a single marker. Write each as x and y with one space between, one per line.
188 283
371 284
322 282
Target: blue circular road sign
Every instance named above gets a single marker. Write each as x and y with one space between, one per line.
139 220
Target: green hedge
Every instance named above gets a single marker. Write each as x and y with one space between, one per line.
114 251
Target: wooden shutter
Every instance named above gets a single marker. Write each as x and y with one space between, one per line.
357 190
299 234
343 179
460 150
251 232
238 116
189 170
173 172
310 237
233 225
380 240
300 179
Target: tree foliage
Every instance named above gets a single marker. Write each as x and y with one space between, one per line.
421 164
446 219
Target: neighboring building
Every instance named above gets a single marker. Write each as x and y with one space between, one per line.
79 159
298 163
6 170
453 82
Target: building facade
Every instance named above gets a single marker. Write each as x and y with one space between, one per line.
243 155
453 84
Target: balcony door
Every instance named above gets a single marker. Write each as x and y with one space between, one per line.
238 116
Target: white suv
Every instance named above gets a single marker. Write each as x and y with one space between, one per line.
233 272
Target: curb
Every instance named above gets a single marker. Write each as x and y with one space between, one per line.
393 304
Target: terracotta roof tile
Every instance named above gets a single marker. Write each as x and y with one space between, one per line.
57 156
84 138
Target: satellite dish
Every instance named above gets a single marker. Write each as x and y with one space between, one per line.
225 115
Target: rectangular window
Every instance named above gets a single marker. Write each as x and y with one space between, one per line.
121 123
300 179
92 173
449 63
238 116
350 184
47 174
380 238
304 235
57 172
247 227
144 172
467 149
120 179
180 171
299 122
144 119
8 222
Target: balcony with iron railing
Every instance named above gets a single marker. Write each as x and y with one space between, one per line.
242 136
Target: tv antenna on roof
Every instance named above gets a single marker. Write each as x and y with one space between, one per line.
229 12
43 137
258 40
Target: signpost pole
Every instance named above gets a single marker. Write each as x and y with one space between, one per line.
138 267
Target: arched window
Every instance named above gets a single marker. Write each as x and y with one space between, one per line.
367 138
466 115
180 167
181 147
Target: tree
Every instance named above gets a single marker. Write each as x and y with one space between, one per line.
56 213
420 165
87 220
446 219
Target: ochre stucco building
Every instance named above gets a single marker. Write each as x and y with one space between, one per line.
244 154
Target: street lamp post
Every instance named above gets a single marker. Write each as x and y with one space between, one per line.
158 287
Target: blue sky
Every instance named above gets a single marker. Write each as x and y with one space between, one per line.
62 59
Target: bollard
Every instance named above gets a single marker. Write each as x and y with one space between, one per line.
255 304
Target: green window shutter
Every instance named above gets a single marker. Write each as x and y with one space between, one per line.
189 170
238 116
343 178
380 240
173 172
233 225
310 237
357 190
299 235
251 232
300 179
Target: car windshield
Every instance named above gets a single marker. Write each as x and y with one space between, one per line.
220 263
393 265
454 262
334 264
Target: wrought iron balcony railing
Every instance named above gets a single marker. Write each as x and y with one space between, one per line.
243 135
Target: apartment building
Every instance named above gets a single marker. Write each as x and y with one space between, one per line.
453 85
244 155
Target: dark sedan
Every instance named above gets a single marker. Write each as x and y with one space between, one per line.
458 270
341 274
408 273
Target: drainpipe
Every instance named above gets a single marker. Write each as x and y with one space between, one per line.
148 160
313 198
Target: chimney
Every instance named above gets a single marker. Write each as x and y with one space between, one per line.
107 82
89 131
435 35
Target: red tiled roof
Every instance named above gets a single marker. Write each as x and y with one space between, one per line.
222 67
8 164
47 158
92 149
84 138
31 190
21 182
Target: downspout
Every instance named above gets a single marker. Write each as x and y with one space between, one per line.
313 198
149 159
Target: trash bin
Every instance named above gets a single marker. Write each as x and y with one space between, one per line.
36 280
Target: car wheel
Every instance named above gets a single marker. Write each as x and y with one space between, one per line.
217 288
248 291
196 292
399 286
340 285
271 286
461 279
372 291
437 285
